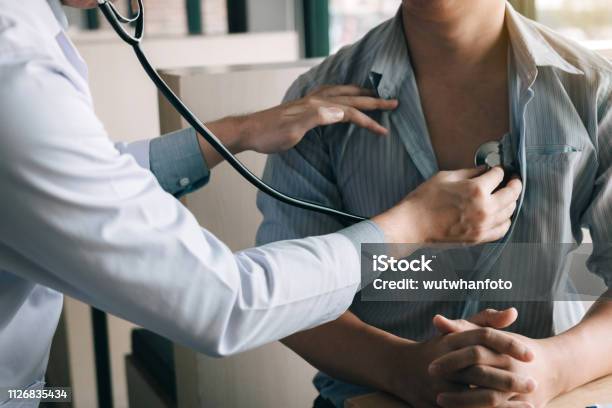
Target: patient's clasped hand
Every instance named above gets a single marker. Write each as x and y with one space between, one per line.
497 367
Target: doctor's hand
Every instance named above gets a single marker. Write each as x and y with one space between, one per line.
410 376
463 206
282 127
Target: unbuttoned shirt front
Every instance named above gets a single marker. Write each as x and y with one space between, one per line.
561 128
100 222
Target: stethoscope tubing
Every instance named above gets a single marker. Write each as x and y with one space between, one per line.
115 19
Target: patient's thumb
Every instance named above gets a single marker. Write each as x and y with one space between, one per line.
497 319
447 326
487 318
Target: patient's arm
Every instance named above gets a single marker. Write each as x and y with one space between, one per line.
588 347
351 350
560 364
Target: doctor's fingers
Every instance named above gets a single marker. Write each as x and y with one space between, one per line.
462 174
498 217
486 235
360 119
486 183
508 194
328 91
364 103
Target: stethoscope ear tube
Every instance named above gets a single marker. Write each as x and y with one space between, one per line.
113 17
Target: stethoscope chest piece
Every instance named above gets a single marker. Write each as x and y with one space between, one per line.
489 154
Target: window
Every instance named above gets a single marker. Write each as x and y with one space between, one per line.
351 19
581 20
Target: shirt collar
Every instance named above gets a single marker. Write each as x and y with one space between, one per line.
58 12
531 49
392 63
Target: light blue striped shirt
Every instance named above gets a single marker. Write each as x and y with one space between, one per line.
561 130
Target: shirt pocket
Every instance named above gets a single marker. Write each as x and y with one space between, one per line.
551 173
551 150
551 166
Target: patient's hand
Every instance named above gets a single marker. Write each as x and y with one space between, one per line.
496 378
413 381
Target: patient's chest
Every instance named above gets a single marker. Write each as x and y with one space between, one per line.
461 116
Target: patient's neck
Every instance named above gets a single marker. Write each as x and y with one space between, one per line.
467 36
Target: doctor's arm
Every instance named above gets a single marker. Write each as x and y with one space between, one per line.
181 161
79 217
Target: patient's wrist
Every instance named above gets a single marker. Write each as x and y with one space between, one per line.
401 359
566 361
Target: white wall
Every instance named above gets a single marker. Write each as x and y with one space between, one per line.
126 100
127 104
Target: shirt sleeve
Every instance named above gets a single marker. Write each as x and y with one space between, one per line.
175 159
306 172
598 216
79 217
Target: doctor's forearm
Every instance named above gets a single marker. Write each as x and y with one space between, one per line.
588 347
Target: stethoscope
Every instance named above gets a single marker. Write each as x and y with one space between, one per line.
488 154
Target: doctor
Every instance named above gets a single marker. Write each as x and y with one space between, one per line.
82 216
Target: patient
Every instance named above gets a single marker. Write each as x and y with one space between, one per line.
465 72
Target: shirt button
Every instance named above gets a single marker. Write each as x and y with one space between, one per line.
184 182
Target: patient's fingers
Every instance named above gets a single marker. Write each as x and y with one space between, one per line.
486 318
495 379
493 339
467 357
479 398
365 103
498 319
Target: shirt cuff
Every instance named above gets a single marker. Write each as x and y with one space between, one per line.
177 162
366 232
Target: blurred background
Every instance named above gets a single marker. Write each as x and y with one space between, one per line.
583 20
214 33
